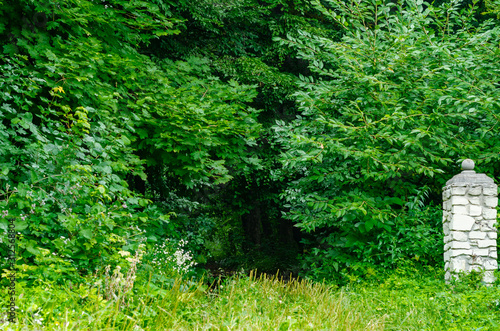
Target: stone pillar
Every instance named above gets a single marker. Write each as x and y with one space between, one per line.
469 219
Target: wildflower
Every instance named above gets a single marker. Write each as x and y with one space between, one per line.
124 253
5 213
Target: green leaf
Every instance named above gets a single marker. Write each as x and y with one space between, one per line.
87 233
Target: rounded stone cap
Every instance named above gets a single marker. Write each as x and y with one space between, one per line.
467 164
469 176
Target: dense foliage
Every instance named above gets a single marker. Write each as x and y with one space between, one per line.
308 136
84 113
389 111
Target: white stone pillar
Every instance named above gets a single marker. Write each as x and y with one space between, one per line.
469 219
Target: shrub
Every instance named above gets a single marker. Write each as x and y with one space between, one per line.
409 90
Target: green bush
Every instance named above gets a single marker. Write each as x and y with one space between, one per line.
388 111
84 113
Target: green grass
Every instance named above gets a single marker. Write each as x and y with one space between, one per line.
399 301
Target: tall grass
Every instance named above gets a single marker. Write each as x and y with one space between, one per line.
260 302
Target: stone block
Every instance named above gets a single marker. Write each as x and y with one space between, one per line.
459 245
489 213
480 252
486 243
459 236
458 265
485 226
490 190
492 235
459 189
476 267
477 259
447 255
461 223
488 277
475 190
446 194
459 200
459 210
492 224
447 205
458 252
490 264
446 228
474 210
477 235
474 200
493 254
446 215
491 202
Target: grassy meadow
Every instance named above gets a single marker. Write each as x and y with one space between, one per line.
402 300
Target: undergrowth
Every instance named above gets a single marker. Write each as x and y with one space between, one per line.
404 299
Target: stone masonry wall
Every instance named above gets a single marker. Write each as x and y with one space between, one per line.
469 219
